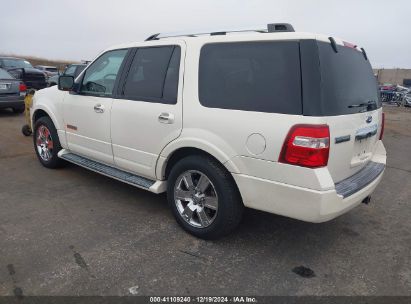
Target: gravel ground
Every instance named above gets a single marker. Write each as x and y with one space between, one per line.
74 232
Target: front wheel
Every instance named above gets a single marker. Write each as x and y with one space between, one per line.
203 197
46 143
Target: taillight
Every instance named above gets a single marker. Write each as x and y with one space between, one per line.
307 146
22 87
382 125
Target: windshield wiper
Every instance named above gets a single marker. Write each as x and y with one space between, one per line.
363 104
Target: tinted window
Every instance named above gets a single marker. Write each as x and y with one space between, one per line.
171 81
5 75
346 79
70 70
101 75
251 76
153 75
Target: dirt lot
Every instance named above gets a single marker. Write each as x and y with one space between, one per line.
74 232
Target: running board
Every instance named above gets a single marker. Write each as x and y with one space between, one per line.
123 176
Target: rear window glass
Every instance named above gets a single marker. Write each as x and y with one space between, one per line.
251 76
16 63
51 69
153 75
5 75
346 79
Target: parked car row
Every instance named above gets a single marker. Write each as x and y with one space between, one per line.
395 95
70 70
17 75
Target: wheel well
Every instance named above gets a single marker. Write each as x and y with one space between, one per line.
38 114
180 154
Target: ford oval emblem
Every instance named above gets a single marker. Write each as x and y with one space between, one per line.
369 119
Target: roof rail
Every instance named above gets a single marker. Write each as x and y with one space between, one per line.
271 28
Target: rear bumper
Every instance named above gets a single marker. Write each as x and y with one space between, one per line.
11 101
307 204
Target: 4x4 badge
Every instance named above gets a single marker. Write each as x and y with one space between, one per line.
369 119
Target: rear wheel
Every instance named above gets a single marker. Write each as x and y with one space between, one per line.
46 143
203 197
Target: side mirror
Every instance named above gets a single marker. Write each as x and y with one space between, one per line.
66 83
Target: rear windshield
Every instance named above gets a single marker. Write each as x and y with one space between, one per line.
5 75
15 63
51 69
347 80
251 76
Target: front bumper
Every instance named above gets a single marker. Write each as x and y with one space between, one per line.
16 101
307 204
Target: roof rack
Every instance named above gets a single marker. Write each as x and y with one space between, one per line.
271 28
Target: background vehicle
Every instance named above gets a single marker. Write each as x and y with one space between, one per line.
261 124
23 70
70 70
49 71
12 92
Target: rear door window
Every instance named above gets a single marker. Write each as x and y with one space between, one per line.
346 79
153 75
251 76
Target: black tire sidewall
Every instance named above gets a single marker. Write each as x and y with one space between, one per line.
55 161
229 200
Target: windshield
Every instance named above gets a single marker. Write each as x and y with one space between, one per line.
348 83
5 75
16 63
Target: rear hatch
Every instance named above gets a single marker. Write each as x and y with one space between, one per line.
351 107
8 85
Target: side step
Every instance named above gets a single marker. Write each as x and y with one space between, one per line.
118 174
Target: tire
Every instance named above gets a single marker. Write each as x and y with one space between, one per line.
221 188
26 130
49 141
18 110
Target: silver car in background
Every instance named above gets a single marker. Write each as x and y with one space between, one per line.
12 92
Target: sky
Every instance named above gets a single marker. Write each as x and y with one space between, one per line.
80 29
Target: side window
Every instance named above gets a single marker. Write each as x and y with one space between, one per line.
153 75
100 77
251 76
70 70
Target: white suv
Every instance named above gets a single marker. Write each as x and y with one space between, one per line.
276 120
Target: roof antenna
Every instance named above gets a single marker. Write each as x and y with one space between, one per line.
364 53
333 44
153 37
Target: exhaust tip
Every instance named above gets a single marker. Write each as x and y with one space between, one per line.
367 200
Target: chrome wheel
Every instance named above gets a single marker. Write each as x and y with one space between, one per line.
196 198
44 143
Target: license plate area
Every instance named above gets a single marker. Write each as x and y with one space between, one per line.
364 142
5 86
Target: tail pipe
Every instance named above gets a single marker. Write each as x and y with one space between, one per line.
367 200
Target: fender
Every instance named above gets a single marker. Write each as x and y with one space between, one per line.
50 100
200 139
50 113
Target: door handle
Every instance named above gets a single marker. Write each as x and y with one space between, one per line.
99 108
166 118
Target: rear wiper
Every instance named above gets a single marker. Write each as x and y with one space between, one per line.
363 104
